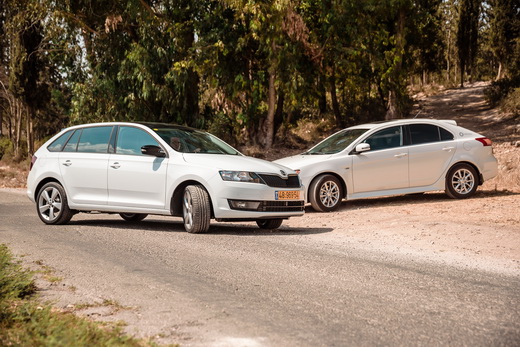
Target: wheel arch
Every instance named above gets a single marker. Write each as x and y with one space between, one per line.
176 200
44 182
479 174
341 180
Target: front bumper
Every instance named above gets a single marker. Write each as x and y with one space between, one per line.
227 194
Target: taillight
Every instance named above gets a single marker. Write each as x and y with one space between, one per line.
484 140
33 160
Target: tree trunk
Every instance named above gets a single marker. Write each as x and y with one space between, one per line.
269 121
394 107
499 73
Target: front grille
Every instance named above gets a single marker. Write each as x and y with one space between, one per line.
292 181
281 206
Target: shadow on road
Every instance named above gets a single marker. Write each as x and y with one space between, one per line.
175 225
410 199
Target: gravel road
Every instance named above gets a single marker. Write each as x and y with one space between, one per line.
413 270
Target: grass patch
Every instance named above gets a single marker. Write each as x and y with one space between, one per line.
26 322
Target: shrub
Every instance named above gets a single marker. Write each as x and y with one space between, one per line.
6 147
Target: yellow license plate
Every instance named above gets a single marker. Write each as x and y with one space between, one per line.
287 195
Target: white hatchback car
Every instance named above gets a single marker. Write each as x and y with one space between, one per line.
394 157
136 169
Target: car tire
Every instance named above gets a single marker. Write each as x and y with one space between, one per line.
325 193
269 223
133 217
461 181
196 209
52 204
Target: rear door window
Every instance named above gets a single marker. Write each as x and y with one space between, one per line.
95 139
427 133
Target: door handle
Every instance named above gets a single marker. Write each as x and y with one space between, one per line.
448 149
67 163
400 155
116 165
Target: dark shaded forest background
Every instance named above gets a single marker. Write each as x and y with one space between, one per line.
244 70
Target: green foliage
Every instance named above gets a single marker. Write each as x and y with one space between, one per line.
235 63
15 282
6 148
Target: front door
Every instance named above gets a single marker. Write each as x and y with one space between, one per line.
134 179
385 166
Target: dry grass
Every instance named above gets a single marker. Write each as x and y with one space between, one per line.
508 178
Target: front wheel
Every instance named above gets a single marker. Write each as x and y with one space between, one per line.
269 223
133 217
461 181
196 209
52 205
325 193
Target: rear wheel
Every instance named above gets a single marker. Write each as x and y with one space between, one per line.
196 209
325 193
461 181
133 217
269 223
52 205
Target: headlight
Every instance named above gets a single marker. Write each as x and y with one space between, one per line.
240 176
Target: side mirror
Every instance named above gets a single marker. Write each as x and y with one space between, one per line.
362 147
153 150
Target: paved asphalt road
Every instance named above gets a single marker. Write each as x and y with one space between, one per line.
241 286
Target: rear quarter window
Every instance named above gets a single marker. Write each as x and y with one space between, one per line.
57 145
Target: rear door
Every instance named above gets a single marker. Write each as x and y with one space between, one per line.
431 151
83 165
135 179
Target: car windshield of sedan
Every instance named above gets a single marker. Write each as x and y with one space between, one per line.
187 140
337 142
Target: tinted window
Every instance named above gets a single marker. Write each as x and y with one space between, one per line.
57 145
445 135
386 138
72 144
94 140
130 140
424 133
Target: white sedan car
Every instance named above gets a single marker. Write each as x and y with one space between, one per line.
136 169
394 157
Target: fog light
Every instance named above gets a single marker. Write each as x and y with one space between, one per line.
244 205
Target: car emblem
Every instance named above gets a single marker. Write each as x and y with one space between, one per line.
283 173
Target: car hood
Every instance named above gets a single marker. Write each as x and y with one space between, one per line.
235 163
296 162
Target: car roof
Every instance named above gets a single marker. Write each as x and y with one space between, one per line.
403 121
151 125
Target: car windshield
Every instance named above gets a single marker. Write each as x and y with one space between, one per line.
188 140
337 142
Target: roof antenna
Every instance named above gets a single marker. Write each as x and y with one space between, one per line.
417 114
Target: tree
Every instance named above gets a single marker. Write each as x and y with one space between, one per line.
467 36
